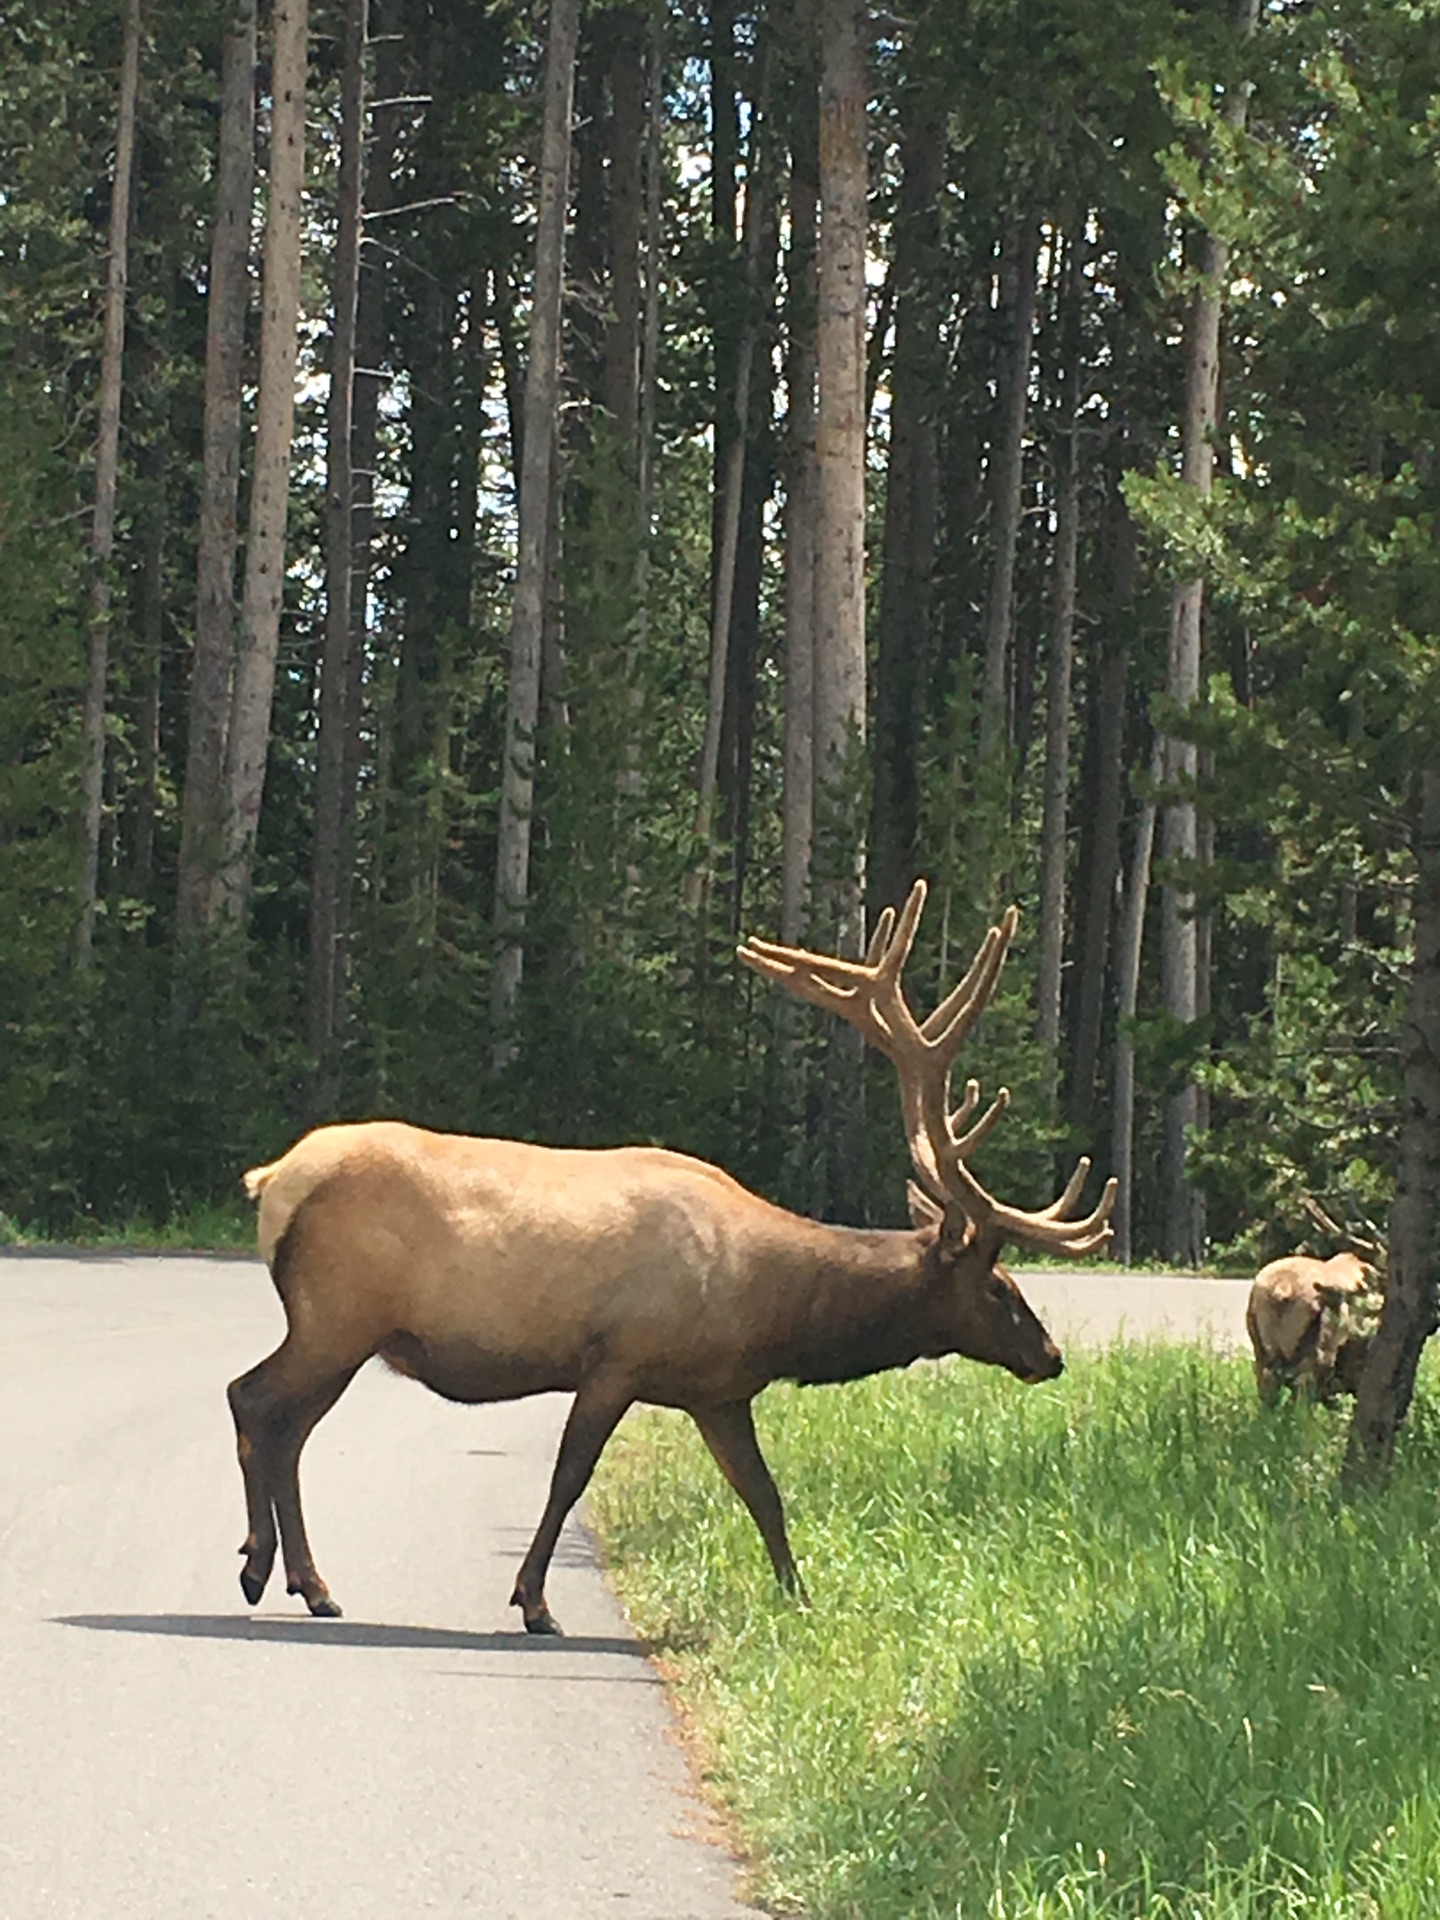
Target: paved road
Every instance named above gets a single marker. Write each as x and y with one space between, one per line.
1091 1308
166 1755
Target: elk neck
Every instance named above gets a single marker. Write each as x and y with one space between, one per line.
858 1301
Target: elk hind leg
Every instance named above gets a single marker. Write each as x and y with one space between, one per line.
729 1432
301 1574
593 1418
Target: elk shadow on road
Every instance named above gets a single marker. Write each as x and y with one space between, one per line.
349 1633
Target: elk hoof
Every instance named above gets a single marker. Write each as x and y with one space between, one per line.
316 1596
252 1585
543 1622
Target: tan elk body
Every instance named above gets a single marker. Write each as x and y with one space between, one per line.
491 1269
1304 1321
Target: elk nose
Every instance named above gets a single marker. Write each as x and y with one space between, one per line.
1049 1369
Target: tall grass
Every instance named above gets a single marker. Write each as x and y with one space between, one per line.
1109 1647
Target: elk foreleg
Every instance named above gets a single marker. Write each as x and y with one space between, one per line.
272 1423
594 1417
729 1432
258 1546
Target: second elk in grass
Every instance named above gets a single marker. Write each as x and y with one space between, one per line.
493 1269
1311 1323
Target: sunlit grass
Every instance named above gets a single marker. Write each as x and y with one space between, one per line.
1108 1647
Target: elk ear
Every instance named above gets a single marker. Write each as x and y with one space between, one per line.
923 1210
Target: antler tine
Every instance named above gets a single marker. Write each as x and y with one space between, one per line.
898 951
967 1106
880 938
1074 1186
949 1025
984 1126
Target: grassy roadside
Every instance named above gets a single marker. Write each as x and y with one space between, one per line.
196 1228
1102 1648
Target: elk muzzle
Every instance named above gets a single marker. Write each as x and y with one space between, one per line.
1051 1366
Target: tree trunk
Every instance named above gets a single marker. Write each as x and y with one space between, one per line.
737 732
727 520
911 507
654 272
226 304
542 383
1054 826
371 347
798 750
333 801
107 472
1410 1314
840 449
1020 275
1103 783
1127 971
1184 1233
149 672
248 737
840 561
627 147
725 299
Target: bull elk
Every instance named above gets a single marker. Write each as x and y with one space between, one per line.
493 1269
1311 1322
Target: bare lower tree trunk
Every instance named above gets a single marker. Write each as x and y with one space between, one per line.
332 800
1054 827
248 738
227 301
840 554
1412 1307
1009 476
107 471
1184 1205
542 380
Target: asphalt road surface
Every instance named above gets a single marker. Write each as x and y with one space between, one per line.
169 1755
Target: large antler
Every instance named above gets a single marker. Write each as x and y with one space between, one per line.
870 996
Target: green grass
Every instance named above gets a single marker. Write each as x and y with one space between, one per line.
195 1228
1108 1647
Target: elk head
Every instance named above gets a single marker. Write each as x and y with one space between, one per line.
979 1310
